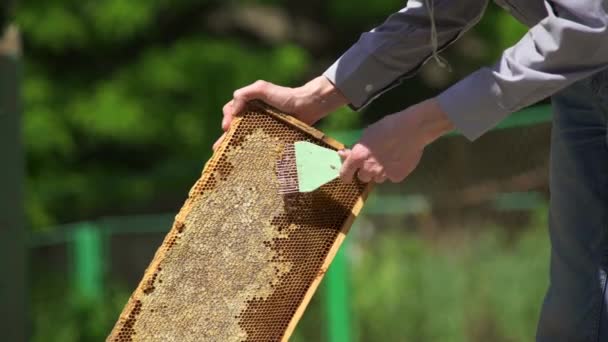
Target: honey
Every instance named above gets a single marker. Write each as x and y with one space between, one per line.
242 261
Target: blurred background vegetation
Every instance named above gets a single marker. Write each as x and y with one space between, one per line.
122 101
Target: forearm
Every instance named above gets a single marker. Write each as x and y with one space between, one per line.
325 95
433 122
428 120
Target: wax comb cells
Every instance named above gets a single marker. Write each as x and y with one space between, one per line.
242 261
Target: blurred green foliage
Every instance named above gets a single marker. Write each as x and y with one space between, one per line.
59 314
470 287
123 98
106 129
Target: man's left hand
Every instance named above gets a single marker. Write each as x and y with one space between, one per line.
392 147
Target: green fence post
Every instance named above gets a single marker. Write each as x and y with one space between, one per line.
88 261
336 298
13 284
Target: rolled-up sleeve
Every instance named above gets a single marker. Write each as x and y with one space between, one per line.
395 50
570 44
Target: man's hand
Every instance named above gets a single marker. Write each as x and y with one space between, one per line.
392 147
309 103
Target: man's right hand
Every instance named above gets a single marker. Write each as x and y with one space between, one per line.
309 103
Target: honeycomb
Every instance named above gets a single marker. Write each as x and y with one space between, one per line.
241 261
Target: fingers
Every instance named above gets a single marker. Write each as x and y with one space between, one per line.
218 141
344 153
256 90
364 175
358 162
371 171
228 115
349 165
380 178
239 101
230 110
272 94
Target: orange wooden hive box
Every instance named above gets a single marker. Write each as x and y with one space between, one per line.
241 262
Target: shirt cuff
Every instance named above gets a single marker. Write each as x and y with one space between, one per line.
474 104
361 80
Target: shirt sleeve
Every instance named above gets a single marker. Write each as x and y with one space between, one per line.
571 43
395 50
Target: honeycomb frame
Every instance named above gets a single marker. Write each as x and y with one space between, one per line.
295 237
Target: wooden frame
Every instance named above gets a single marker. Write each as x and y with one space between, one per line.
187 207
344 229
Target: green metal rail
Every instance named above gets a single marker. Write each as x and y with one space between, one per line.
87 243
337 305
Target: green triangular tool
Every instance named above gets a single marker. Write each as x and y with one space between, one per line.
315 165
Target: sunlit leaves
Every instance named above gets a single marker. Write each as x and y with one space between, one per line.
164 106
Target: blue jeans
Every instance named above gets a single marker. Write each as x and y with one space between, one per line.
575 307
